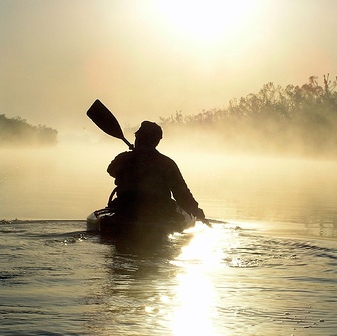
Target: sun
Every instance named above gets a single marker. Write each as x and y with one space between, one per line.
207 21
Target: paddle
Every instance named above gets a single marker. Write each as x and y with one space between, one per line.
106 121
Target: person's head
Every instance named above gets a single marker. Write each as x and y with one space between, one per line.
148 135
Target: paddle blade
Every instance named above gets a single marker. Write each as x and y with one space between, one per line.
105 120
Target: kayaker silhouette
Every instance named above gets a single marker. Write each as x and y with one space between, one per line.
146 181
151 197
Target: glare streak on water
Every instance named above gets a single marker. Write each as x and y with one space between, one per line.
234 279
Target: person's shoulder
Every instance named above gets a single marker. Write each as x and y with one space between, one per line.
166 159
123 155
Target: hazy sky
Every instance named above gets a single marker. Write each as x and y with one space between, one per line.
146 59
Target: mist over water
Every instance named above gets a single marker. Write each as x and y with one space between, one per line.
69 181
52 183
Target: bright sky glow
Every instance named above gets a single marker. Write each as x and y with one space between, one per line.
149 59
209 21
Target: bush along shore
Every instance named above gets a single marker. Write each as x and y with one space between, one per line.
291 119
16 131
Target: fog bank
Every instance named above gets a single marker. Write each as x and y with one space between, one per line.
70 181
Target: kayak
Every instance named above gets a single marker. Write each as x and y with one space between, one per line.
108 223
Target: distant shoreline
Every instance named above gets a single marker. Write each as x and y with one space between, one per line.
17 132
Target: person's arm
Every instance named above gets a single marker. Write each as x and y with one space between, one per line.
117 163
182 194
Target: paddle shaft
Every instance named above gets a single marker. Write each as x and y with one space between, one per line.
128 143
206 221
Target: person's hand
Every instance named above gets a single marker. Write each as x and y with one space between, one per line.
200 214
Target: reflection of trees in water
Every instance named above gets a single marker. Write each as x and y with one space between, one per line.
323 224
289 119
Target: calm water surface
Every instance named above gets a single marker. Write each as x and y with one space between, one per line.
270 270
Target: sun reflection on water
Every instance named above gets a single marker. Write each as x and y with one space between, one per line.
195 304
196 301
201 252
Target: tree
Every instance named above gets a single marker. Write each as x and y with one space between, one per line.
16 131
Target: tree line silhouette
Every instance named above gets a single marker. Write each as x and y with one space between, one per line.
16 131
291 119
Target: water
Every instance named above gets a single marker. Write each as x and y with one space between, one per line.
270 270
234 279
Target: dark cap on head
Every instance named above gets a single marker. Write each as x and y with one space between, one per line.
150 129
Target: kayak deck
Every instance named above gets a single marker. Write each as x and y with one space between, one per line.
107 223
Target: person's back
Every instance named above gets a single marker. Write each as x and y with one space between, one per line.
146 180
